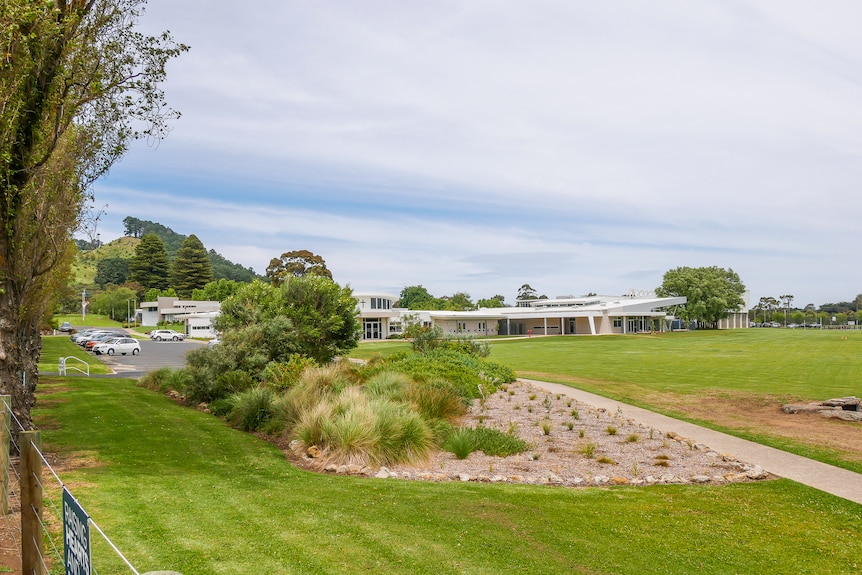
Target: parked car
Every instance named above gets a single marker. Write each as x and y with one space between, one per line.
96 333
97 339
213 342
121 345
65 327
77 336
166 334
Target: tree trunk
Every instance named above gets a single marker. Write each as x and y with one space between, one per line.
20 349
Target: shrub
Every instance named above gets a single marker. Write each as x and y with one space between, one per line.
436 399
281 375
467 345
316 386
588 450
498 444
463 371
611 430
156 380
206 371
462 443
388 385
251 409
351 429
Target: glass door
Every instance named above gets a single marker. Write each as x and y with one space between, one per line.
373 328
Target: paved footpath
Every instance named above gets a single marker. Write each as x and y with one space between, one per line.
828 478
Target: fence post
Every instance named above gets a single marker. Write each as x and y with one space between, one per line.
31 503
5 435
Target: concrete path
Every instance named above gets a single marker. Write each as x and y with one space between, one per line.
828 478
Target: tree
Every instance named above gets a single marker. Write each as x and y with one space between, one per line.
191 268
218 290
786 299
459 302
149 266
133 227
492 302
711 293
77 83
153 294
766 305
113 302
526 292
296 264
309 315
112 271
225 269
417 297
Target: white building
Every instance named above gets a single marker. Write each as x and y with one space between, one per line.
589 315
200 325
197 315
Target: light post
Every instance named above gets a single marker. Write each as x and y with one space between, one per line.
134 309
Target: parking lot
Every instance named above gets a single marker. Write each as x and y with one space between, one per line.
154 354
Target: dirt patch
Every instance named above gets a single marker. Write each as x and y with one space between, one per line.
762 415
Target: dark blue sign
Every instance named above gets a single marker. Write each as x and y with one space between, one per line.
76 536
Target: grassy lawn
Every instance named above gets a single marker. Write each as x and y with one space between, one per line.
90 320
176 489
671 373
809 364
56 346
384 348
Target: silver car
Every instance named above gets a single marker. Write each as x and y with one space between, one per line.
121 345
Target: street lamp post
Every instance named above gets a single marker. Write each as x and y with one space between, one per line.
134 309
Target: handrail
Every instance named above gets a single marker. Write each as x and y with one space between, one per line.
64 367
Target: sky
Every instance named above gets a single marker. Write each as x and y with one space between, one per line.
478 145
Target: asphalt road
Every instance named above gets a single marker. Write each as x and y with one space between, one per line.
154 354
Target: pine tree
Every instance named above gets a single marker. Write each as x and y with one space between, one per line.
191 268
149 267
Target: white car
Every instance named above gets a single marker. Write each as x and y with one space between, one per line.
166 334
121 345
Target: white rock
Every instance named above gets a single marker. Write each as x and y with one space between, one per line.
755 472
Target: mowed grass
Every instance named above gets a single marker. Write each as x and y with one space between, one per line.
90 320
176 489
56 346
805 364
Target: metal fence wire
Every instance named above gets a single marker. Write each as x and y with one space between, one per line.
31 509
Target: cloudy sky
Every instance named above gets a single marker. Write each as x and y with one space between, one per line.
477 145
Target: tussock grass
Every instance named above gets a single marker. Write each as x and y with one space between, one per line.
251 409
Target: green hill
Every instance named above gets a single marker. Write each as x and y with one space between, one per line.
87 260
84 267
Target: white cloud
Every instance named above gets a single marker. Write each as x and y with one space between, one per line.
468 145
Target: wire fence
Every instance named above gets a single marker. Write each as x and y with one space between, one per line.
35 504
